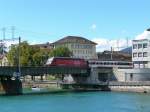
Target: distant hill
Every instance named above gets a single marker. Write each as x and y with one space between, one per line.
127 50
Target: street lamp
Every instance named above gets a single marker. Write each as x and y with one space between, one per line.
19 69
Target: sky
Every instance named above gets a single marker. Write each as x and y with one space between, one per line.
107 22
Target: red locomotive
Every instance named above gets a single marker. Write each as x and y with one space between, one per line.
67 62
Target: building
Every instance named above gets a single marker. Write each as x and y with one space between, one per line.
114 56
79 46
44 46
3 60
141 53
141 61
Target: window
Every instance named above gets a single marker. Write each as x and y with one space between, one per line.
131 77
139 46
139 54
145 54
134 46
72 46
134 54
145 45
75 45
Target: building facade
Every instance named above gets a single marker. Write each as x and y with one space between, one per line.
141 53
3 60
79 46
141 61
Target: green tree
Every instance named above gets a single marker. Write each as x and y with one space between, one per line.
24 54
40 58
12 55
61 52
29 55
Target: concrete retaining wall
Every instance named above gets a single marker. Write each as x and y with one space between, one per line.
141 89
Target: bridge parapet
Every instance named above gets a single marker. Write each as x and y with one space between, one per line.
35 71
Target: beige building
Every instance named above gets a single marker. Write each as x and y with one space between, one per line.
79 46
3 60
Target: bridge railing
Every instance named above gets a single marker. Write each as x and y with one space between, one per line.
9 71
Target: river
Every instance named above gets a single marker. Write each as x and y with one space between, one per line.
77 102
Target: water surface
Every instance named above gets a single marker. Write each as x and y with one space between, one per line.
77 102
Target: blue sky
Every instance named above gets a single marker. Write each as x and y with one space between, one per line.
50 20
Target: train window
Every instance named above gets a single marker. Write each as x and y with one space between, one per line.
92 63
111 63
130 63
119 63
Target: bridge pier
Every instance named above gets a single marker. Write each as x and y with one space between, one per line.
80 79
11 87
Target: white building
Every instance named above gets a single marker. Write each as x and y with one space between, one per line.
141 53
141 60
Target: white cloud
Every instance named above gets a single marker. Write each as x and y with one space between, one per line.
93 26
106 44
144 35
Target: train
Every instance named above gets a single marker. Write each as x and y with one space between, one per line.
67 62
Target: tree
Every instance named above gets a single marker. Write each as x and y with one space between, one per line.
24 54
29 55
61 52
40 58
12 55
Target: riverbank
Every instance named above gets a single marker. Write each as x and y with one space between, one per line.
47 87
141 87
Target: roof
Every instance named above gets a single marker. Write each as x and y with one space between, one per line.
43 45
74 39
139 40
47 43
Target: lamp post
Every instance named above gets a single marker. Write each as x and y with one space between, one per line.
19 70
